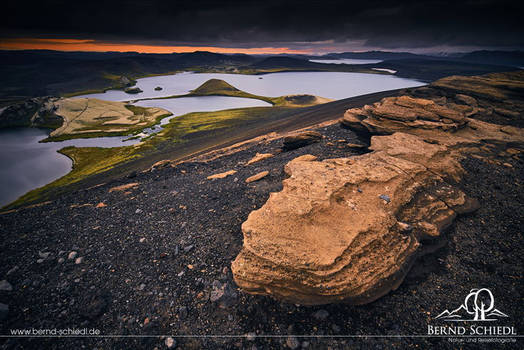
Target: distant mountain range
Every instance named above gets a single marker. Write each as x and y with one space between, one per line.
40 72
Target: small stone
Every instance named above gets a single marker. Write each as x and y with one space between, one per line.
321 315
292 342
142 240
4 310
223 294
180 274
251 336
44 255
72 255
79 260
182 312
61 260
188 248
385 198
13 270
170 342
257 177
142 286
355 145
259 157
39 261
5 286
221 175
138 211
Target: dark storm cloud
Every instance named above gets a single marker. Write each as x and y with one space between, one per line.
387 24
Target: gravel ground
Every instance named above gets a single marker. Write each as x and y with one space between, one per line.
156 261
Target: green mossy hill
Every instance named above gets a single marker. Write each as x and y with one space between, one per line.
217 87
214 86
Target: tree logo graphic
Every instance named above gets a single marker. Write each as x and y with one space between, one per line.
479 305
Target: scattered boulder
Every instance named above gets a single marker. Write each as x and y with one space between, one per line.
221 175
356 145
258 157
257 177
161 164
122 188
300 140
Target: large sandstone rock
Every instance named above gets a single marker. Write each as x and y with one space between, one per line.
348 229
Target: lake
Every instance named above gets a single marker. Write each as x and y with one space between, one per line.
347 61
28 164
333 85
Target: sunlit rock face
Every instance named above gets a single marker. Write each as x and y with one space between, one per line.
348 229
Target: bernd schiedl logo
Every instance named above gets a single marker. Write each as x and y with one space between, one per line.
479 305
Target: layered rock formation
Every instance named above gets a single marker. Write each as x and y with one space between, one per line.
348 229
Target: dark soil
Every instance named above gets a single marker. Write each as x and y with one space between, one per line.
150 259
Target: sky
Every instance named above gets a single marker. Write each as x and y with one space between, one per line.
255 27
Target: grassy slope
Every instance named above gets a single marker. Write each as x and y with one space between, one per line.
88 161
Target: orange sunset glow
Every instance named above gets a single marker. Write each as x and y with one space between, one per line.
100 46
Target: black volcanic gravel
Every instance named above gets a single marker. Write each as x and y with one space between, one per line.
150 259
